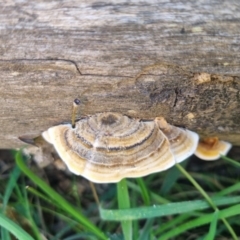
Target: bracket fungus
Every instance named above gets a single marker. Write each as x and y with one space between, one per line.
212 148
107 147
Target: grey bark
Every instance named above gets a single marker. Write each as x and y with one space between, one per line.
145 59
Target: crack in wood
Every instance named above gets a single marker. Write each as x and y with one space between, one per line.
179 94
44 59
176 97
63 60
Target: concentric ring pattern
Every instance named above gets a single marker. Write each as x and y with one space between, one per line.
107 147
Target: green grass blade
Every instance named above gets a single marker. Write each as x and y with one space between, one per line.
135 230
205 195
163 210
231 161
81 236
170 179
60 201
12 227
155 197
231 189
29 216
8 191
144 191
39 195
5 234
171 224
213 226
196 185
146 231
10 186
124 203
231 211
63 231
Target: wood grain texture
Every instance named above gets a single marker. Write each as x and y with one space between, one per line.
99 51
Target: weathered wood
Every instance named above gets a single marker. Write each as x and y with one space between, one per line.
144 59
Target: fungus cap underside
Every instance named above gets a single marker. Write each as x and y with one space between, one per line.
107 147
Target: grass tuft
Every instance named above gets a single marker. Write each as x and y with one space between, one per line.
168 205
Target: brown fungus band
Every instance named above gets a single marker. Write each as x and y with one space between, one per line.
107 147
